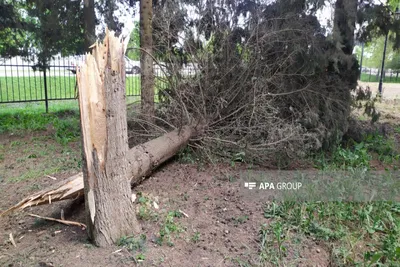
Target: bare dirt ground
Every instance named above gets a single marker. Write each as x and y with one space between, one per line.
390 90
389 110
216 226
220 228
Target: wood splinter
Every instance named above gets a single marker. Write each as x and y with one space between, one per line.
69 223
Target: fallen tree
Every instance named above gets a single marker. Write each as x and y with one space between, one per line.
272 90
109 166
143 159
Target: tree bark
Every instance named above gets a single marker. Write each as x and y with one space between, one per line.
144 158
89 23
146 60
344 24
343 35
101 81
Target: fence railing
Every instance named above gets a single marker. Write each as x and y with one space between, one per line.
20 81
373 75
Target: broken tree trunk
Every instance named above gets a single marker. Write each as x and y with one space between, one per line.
101 81
107 161
143 159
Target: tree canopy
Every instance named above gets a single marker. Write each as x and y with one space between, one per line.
11 29
134 43
40 29
377 20
373 54
266 74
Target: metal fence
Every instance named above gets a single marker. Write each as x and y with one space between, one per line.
21 81
373 75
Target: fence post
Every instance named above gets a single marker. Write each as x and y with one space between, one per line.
46 98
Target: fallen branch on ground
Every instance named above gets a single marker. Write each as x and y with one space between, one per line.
143 159
60 221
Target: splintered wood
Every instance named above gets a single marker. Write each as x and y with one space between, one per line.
67 189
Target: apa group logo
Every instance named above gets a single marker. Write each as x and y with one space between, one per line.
250 185
274 186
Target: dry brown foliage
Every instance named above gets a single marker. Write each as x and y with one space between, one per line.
274 88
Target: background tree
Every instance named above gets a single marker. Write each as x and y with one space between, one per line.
146 59
110 13
377 20
51 27
343 35
263 70
374 52
134 42
58 29
45 29
108 10
89 16
394 61
12 29
344 24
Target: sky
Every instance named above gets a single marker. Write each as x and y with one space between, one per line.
128 18
325 14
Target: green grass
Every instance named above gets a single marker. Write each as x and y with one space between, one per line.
32 88
54 145
14 89
169 227
365 77
195 237
44 146
65 121
136 246
358 234
54 106
352 233
145 211
354 155
131 243
39 157
33 174
38 107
